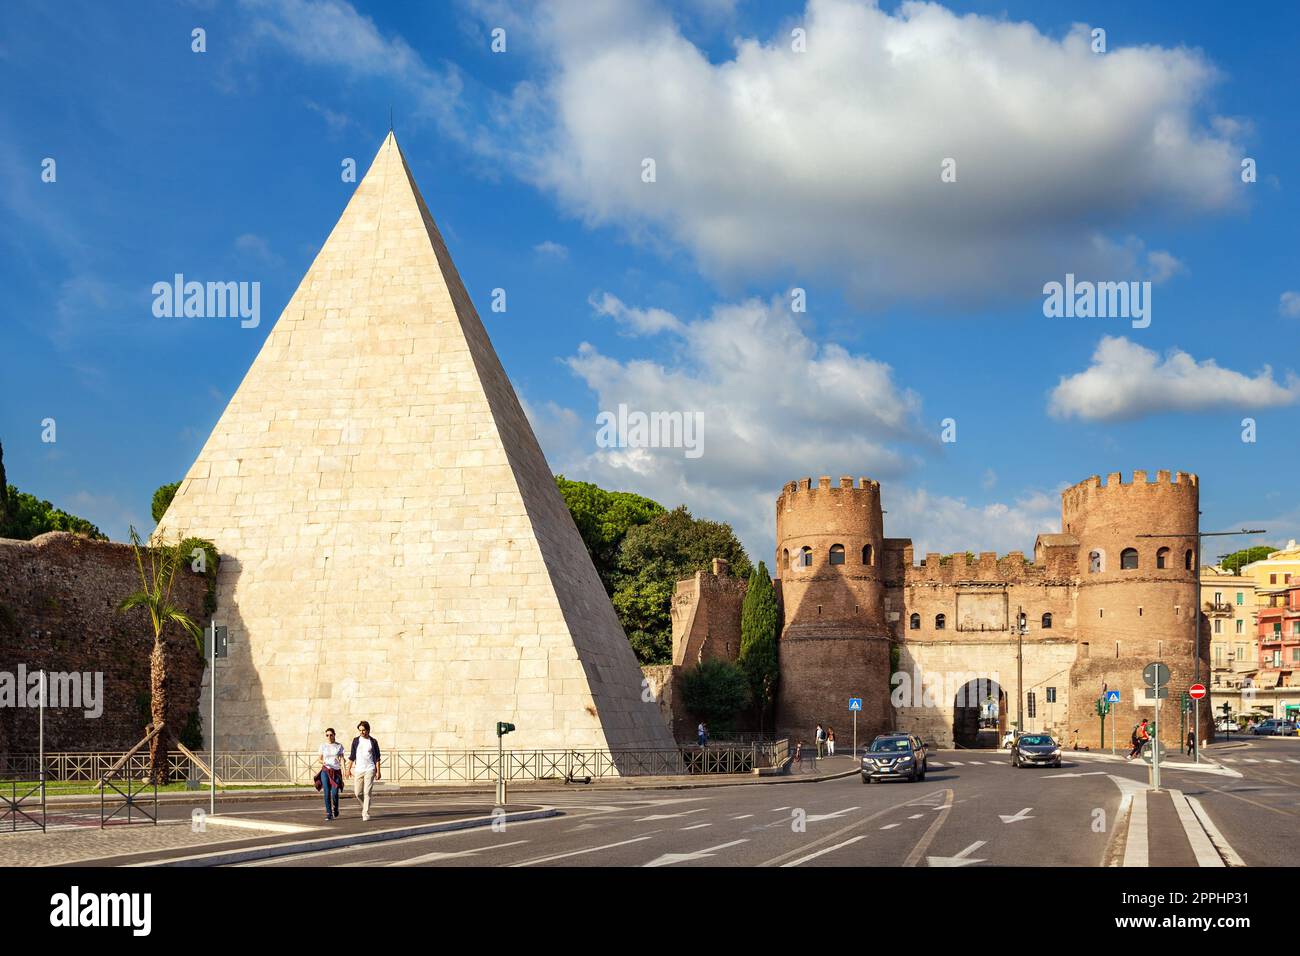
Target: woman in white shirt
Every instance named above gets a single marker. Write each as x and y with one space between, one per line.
331 773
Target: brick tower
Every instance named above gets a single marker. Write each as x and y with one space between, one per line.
835 640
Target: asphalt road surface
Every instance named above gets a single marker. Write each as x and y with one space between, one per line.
973 809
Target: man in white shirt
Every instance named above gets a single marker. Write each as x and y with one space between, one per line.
363 764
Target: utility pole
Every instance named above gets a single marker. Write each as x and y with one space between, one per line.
1196 609
1020 669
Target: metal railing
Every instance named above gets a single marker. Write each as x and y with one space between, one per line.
16 798
294 767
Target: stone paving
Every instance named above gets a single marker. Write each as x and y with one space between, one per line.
68 843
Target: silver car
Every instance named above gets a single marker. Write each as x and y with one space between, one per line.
1035 750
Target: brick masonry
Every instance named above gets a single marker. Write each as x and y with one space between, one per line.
58 610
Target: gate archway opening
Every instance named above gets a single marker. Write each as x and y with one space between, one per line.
979 714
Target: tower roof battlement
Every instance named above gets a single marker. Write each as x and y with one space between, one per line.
794 490
1180 482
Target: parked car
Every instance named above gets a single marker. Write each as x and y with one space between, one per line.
895 757
1274 728
1227 724
1035 750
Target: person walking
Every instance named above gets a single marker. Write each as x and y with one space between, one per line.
331 773
363 765
821 741
830 741
702 734
1138 739
1191 743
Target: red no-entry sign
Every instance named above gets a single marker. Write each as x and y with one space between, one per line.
1196 691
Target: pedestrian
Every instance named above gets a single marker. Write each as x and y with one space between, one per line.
702 734
830 741
821 740
331 773
1191 742
363 765
1138 738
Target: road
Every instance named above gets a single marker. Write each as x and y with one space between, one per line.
973 809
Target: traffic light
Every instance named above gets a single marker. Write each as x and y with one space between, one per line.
503 728
1032 700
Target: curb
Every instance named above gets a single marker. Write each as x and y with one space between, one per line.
247 854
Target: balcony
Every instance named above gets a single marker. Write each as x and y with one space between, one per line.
1213 609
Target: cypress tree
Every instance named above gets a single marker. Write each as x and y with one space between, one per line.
759 622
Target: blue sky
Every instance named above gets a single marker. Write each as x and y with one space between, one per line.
777 169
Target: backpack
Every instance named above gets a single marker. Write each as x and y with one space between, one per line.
1136 735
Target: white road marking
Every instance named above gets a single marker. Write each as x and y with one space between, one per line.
1272 760
961 859
823 852
1249 760
1196 835
779 809
1292 760
818 817
698 826
954 763
1135 847
670 816
1018 816
1225 849
743 816
890 826
668 859
430 857
591 849
916 816
1090 773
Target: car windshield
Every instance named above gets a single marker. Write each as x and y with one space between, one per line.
890 745
1035 740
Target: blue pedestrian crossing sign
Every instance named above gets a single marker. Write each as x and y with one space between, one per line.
855 703
1112 697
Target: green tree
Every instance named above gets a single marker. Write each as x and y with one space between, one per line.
604 519
157 567
715 692
652 558
4 495
162 498
759 624
1238 559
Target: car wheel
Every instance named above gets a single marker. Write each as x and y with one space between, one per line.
865 779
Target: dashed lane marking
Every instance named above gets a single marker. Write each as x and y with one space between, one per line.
916 816
668 859
698 826
743 816
430 857
890 826
590 849
823 852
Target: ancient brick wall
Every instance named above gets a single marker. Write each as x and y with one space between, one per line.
706 616
58 611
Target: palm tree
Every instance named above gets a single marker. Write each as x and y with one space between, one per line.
155 597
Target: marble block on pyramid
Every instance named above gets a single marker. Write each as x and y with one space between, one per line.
394 547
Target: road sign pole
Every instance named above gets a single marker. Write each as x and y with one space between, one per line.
1155 740
855 735
1196 725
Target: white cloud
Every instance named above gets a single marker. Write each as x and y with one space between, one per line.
552 250
1056 147
777 407
1289 304
257 249
1127 381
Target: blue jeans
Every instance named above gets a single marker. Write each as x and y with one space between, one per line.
331 793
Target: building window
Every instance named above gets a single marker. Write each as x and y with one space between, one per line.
1272 579
1218 655
1218 626
1096 562
837 554
1128 559
1277 658
1101 612
1295 655
785 559
805 557
1218 597
914 622
1240 626
1295 629
1241 652
1047 621
939 621
1187 560
868 556
1162 558
1240 600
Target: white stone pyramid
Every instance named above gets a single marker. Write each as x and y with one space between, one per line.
394 548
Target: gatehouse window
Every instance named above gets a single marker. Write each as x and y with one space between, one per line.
914 622
1096 562
1162 558
837 554
1047 621
1187 560
785 559
939 622
867 556
805 557
1128 559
